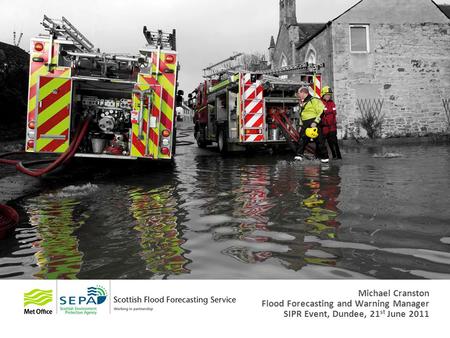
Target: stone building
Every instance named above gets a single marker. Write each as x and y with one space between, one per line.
394 52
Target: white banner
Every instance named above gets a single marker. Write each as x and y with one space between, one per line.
217 308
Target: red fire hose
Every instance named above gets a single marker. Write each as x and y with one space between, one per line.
63 158
8 220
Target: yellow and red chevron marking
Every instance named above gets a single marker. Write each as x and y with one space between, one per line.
139 145
167 79
163 82
53 119
316 85
38 69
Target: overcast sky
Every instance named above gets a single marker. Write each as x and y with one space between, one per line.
207 30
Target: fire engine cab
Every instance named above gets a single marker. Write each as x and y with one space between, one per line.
242 109
129 100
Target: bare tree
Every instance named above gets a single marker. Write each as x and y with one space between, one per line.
254 61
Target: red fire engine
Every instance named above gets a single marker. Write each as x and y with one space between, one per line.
239 109
123 106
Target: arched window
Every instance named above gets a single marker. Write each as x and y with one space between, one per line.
311 55
283 61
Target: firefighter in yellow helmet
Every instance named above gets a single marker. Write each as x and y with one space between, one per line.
311 109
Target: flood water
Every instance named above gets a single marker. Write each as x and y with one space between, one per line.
259 216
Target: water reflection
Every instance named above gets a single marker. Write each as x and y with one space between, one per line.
273 207
54 222
161 242
322 184
322 203
252 205
305 199
244 217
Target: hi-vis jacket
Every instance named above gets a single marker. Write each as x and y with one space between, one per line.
312 109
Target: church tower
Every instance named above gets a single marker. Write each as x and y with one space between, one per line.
288 12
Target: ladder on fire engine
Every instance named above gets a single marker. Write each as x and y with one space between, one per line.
289 130
235 63
286 125
309 67
62 27
160 39
225 66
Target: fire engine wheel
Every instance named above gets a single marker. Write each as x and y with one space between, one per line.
200 137
174 142
222 141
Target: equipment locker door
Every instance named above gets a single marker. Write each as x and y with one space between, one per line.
54 101
145 121
253 118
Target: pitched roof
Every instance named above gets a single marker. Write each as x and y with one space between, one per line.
272 42
445 9
322 27
308 37
307 30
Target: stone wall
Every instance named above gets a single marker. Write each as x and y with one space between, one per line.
408 67
323 47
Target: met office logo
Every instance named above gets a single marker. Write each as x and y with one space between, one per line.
36 300
85 303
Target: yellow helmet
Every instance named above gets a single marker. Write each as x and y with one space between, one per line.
311 132
326 90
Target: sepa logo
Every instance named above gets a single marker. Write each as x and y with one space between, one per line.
95 296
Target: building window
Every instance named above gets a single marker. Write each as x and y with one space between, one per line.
359 39
311 55
284 61
311 58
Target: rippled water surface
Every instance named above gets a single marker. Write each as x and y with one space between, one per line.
382 212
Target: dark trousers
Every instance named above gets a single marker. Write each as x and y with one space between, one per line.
321 149
332 140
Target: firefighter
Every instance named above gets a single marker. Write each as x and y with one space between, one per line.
311 109
179 105
328 122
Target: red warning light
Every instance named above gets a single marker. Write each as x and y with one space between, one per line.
38 46
170 58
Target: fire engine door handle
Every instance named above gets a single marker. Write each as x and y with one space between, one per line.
149 95
153 121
